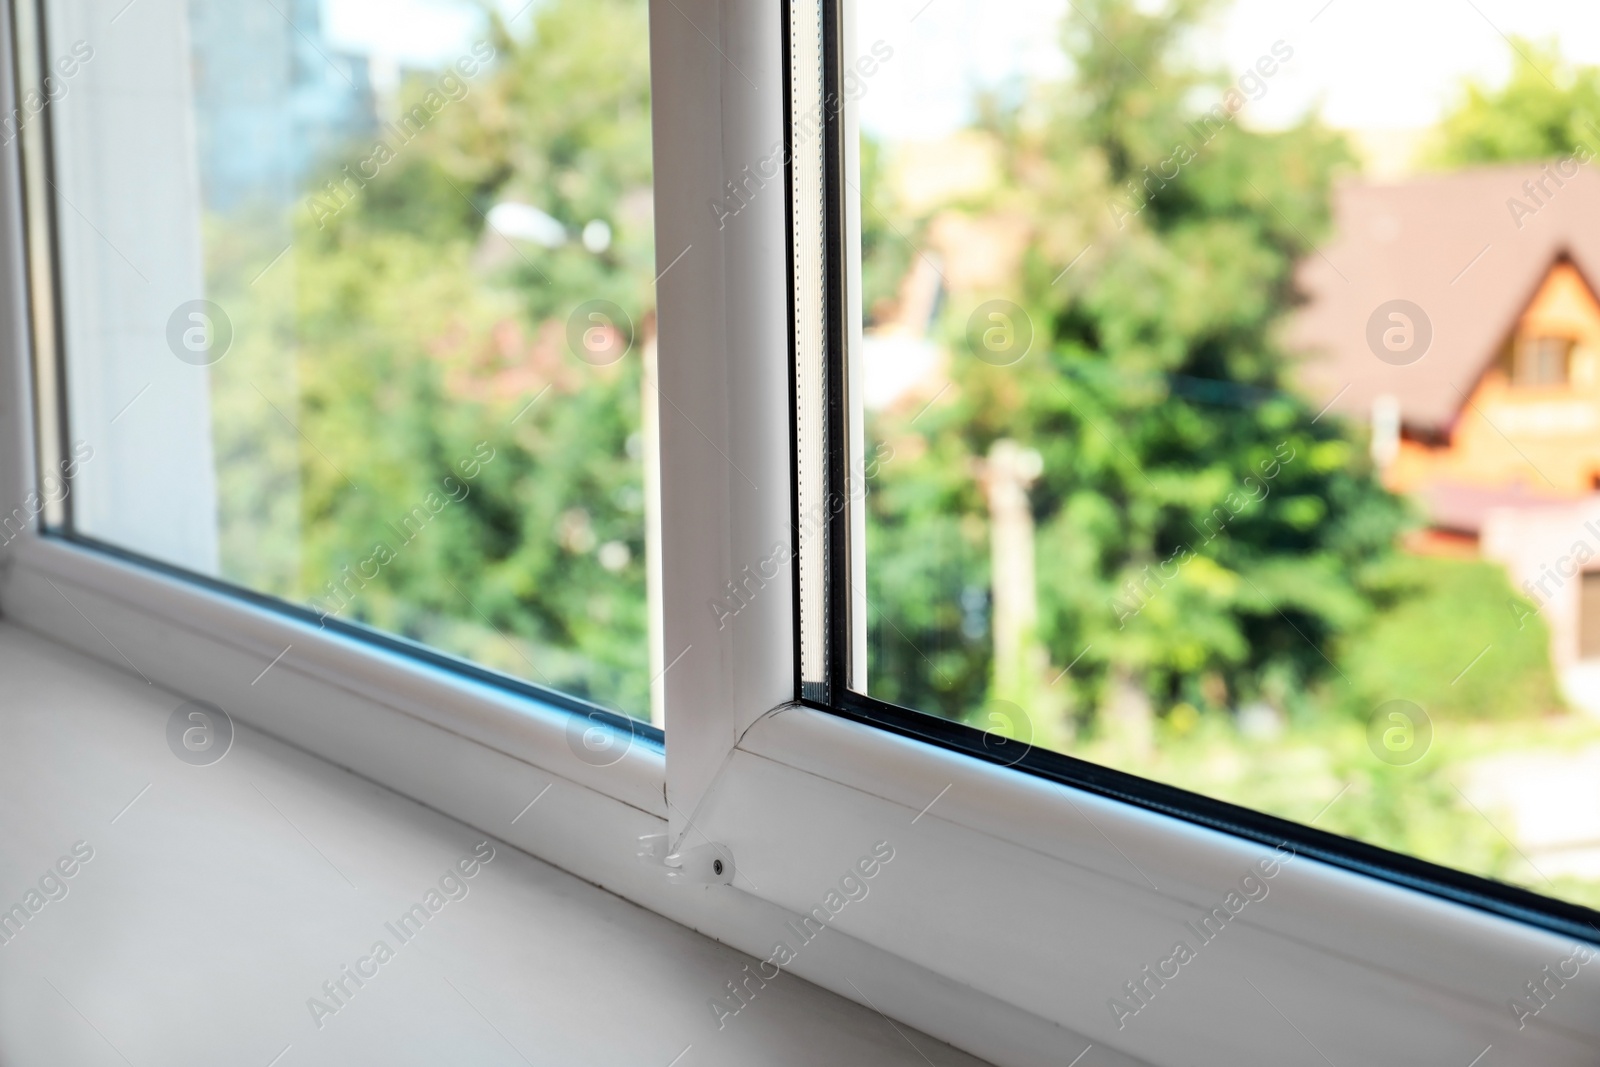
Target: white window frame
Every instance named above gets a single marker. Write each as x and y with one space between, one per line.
1015 908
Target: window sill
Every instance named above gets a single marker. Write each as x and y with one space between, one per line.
477 756
219 899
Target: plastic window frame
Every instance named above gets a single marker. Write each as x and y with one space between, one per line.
795 791
840 625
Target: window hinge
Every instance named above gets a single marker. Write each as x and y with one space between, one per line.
709 864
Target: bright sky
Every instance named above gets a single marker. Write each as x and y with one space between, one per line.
1369 64
414 32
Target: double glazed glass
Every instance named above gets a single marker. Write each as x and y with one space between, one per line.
356 311
1232 415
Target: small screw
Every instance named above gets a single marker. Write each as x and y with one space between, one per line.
716 867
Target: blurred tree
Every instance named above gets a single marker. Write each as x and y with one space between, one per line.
1545 111
419 341
1203 538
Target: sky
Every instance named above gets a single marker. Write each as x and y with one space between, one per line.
414 32
1368 64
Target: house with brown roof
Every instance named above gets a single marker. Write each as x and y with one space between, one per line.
1456 315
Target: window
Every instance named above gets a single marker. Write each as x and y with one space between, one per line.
357 313
909 385
1117 289
1541 361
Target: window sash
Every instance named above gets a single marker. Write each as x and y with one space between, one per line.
48 318
842 560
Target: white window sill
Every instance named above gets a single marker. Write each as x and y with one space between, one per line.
220 898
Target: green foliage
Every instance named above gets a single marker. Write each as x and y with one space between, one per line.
1439 614
379 458
1201 535
1546 110
928 581
885 254
1446 612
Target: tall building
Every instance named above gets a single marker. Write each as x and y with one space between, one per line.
273 99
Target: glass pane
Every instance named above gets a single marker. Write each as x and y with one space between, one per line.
1233 414
357 300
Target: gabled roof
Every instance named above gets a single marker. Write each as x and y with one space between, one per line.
1450 244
